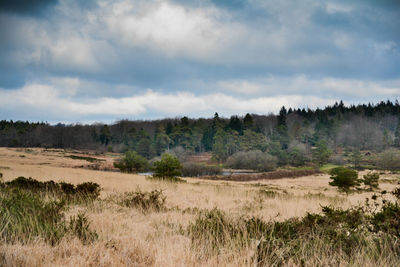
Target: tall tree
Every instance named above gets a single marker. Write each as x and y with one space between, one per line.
162 140
248 122
321 153
282 129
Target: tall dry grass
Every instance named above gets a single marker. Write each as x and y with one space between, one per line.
127 236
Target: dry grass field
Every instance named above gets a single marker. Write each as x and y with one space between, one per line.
135 237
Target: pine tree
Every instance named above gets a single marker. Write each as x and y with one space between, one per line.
282 129
248 122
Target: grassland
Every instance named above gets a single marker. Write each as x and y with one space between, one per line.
132 232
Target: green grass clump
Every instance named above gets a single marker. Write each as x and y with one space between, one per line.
79 226
26 216
213 230
31 210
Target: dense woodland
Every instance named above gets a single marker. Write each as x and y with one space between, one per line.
290 136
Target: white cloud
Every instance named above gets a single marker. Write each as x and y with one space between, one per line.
172 29
303 85
333 8
44 98
60 98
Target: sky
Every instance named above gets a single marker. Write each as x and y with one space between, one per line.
101 61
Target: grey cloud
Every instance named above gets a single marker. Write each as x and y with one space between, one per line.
192 46
26 7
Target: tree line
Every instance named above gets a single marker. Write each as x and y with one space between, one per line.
289 136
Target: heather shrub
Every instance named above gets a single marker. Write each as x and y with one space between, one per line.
88 189
62 189
252 160
144 201
190 169
338 235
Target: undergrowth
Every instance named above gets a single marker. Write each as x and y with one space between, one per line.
31 210
144 201
336 236
82 192
90 159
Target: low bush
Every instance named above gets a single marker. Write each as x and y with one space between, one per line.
90 159
297 156
145 201
67 191
338 235
263 176
252 160
132 162
190 169
371 180
88 189
396 193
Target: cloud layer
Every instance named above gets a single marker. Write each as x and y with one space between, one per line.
102 60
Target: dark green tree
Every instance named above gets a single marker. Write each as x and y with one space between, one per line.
321 153
236 124
248 122
282 134
105 135
131 162
144 145
162 140
251 140
219 150
168 167
209 132
371 180
345 179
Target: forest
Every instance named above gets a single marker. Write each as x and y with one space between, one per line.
292 137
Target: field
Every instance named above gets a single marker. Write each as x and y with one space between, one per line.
138 237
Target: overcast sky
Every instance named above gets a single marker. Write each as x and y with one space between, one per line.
89 60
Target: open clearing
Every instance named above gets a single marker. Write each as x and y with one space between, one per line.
131 237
